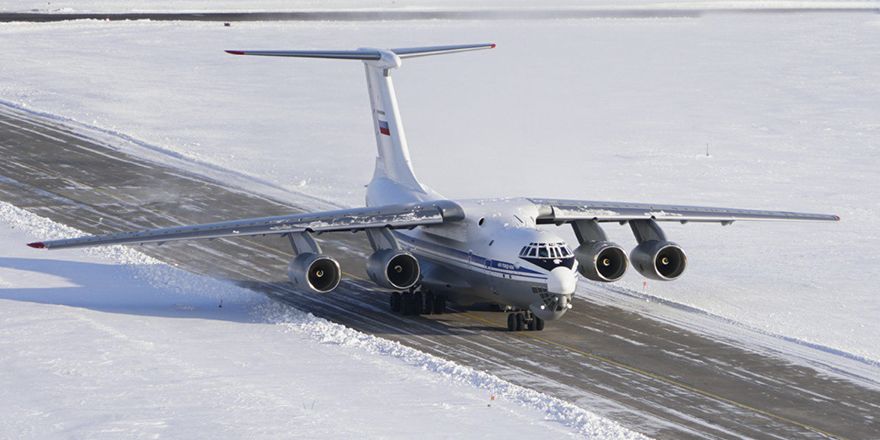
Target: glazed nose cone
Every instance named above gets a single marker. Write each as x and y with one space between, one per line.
562 281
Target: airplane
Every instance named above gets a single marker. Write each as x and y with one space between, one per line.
428 249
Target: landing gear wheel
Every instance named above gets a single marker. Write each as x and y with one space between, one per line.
532 323
511 322
439 305
418 303
406 303
429 303
539 323
395 302
519 321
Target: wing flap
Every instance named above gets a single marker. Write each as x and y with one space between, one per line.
562 211
392 216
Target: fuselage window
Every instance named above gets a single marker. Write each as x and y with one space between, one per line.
532 252
542 252
524 251
554 253
564 251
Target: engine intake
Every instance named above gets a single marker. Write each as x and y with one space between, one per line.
659 260
393 269
601 261
317 273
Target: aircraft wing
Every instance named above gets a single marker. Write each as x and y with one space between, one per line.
564 211
356 219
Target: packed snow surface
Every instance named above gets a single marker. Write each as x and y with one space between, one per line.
749 111
113 343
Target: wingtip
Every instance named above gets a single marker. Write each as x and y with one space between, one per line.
492 46
37 245
235 52
836 218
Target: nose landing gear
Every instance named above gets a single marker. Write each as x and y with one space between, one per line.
518 321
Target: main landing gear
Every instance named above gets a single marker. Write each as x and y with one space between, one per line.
417 303
518 321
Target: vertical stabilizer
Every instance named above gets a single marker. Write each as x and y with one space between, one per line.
392 162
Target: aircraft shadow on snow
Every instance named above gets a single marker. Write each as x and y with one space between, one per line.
104 288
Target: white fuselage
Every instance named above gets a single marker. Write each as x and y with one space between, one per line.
485 257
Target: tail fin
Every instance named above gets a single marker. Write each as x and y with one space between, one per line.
393 160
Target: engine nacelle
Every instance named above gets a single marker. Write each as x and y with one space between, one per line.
659 260
317 273
393 269
601 261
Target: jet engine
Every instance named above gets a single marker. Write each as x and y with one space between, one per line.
393 269
601 261
315 272
659 260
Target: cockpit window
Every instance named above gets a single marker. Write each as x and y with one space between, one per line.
546 250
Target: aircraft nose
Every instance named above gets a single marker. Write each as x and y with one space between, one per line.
562 281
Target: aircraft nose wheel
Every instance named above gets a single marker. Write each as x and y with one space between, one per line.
518 321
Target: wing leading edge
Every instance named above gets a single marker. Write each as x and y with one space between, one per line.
563 211
356 219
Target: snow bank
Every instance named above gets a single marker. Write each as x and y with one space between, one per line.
584 422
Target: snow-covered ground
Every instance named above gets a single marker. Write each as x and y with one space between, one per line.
115 344
605 109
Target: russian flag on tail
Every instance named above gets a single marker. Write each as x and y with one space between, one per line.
383 128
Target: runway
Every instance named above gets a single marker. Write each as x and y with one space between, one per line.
656 378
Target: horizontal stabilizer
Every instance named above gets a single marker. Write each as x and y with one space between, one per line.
361 54
366 54
413 52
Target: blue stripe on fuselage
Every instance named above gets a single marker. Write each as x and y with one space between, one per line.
491 265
